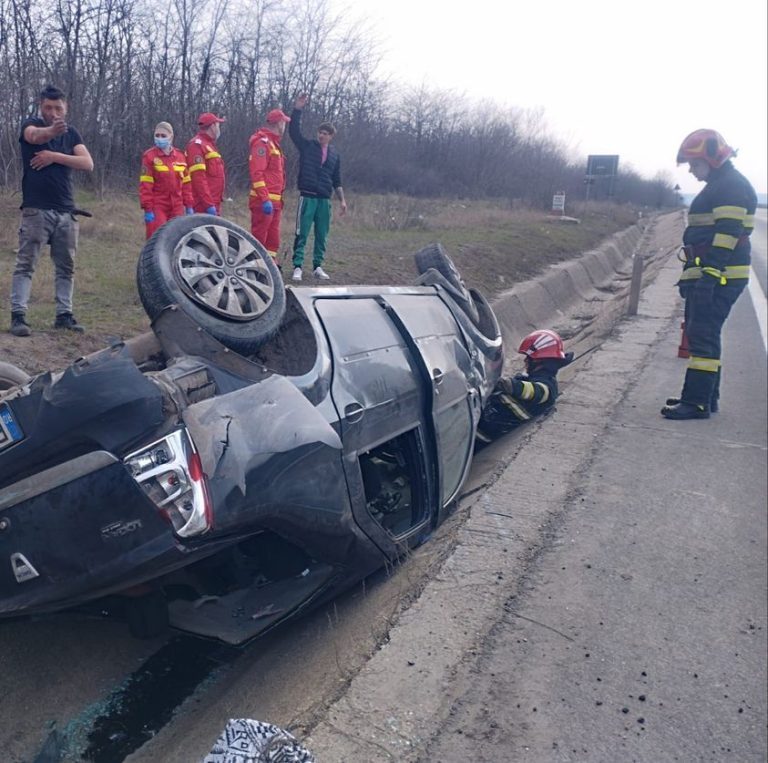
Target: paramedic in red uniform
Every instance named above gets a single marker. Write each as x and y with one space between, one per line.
267 167
165 190
206 167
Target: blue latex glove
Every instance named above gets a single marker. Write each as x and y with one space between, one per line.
211 211
149 217
266 207
189 211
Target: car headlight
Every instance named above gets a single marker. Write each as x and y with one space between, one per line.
171 474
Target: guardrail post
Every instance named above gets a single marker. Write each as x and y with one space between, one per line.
635 283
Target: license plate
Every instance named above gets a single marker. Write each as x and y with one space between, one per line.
10 431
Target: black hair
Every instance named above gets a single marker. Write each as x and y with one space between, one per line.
327 127
52 93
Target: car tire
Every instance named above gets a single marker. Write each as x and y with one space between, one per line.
218 274
434 256
147 615
11 376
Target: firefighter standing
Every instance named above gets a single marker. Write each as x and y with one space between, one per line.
518 399
206 167
164 186
716 269
266 163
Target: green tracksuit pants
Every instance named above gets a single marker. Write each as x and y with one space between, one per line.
317 212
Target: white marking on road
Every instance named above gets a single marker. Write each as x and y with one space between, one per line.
761 308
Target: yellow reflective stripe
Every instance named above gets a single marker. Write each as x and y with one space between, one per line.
275 196
749 221
725 241
545 392
146 179
729 213
213 155
186 179
690 274
196 167
519 411
260 184
160 168
736 271
701 219
704 364
528 391
274 152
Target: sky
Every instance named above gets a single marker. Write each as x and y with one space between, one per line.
612 77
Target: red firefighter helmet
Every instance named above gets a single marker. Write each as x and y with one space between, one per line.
541 345
707 145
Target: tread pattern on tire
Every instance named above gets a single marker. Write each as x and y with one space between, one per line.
434 256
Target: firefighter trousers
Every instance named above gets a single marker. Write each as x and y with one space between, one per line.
705 316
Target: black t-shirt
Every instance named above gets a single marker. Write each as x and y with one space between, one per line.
50 187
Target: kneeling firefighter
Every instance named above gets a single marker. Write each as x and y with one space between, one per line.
520 398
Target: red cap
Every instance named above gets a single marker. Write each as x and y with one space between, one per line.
276 116
208 119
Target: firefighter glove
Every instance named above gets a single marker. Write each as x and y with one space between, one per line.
189 211
266 207
149 217
211 211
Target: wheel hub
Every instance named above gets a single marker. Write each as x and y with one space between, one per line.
224 272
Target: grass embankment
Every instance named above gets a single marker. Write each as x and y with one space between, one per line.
493 246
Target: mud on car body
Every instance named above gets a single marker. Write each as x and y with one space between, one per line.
256 452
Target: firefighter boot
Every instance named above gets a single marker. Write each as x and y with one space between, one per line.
714 403
682 410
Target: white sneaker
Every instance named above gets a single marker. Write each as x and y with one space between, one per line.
321 274
296 274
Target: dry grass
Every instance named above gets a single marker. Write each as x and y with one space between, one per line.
493 246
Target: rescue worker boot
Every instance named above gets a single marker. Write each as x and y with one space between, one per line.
683 410
19 325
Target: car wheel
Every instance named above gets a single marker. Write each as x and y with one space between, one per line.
147 615
11 376
434 256
218 274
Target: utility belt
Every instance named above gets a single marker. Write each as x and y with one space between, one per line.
689 253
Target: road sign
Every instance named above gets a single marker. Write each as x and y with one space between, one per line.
558 202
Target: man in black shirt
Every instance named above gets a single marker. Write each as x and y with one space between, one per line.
50 150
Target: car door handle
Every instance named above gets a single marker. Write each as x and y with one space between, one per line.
353 412
437 376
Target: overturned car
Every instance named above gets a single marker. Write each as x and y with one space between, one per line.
258 451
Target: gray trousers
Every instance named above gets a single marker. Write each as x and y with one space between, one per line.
40 227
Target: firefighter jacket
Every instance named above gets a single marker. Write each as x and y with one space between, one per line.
164 180
206 171
518 399
720 221
266 164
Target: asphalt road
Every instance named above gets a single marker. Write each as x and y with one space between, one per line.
657 584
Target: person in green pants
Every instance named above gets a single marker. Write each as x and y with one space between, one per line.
319 179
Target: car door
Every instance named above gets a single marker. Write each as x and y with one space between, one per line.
454 400
379 391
